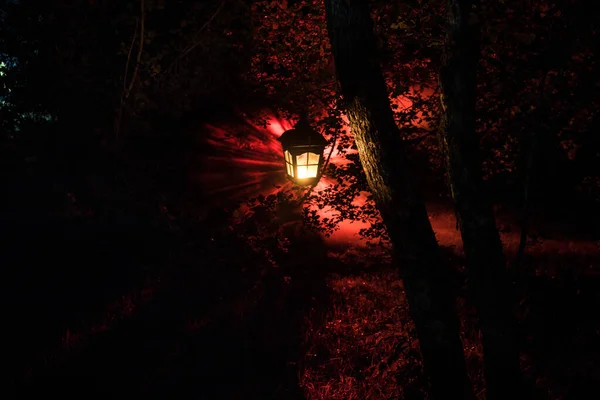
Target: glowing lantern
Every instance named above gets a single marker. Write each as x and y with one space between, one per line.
303 152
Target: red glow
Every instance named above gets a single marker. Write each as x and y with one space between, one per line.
404 104
348 230
277 126
246 160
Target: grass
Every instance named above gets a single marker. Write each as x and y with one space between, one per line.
209 312
364 346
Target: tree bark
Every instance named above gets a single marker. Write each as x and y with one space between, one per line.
486 264
384 160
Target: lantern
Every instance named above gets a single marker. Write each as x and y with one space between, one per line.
303 153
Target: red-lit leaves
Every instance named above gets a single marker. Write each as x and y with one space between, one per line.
365 346
291 49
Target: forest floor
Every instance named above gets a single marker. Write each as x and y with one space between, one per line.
129 310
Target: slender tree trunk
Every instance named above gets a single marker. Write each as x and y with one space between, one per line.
483 248
383 157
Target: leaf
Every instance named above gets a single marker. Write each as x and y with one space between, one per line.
400 25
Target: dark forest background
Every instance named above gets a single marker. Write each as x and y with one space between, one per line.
125 268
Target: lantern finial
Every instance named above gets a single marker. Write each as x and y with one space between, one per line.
303 120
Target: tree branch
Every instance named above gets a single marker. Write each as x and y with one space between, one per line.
197 42
137 21
127 88
140 49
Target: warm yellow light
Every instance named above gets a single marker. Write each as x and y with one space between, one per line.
288 163
313 158
307 165
307 171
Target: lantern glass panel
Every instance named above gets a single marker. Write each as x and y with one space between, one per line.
313 158
302 172
288 163
302 159
308 165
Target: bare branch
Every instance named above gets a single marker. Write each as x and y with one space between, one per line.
197 42
137 21
127 88
141 48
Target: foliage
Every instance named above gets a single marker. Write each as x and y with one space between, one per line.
63 81
535 82
524 44
80 57
364 347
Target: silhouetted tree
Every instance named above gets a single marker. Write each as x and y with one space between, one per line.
384 161
483 248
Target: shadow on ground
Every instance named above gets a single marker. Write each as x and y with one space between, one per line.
560 324
223 321
223 324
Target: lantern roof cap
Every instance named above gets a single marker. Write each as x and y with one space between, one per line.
302 134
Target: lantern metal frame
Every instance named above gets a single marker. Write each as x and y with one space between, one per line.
302 139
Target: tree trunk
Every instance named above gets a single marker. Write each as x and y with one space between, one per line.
483 248
384 160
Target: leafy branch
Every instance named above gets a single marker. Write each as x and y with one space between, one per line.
197 41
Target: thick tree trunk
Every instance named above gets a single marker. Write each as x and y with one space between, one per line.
483 248
384 161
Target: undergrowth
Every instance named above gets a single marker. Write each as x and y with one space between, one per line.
364 346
